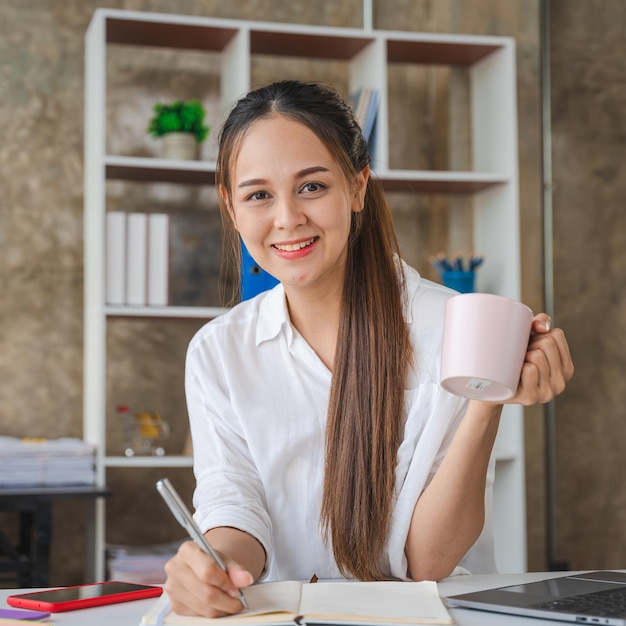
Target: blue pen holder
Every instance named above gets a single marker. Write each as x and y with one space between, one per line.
461 281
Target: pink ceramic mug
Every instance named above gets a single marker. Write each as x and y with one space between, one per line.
485 339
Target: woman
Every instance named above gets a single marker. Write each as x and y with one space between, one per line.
323 443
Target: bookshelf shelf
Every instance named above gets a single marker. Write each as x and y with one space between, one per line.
180 312
152 170
203 173
148 461
367 57
438 182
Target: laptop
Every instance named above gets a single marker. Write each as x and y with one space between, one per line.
597 597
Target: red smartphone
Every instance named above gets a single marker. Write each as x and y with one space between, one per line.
83 596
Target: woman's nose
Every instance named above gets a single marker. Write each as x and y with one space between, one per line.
288 214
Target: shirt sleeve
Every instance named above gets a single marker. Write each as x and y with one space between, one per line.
426 458
419 457
229 491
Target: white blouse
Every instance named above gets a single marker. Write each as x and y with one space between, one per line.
257 397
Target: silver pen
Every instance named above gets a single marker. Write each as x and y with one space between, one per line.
184 518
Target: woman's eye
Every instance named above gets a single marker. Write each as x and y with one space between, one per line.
312 187
258 195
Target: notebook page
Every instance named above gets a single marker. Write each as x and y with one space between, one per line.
270 603
272 597
384 602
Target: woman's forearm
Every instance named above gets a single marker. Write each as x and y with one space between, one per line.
449 515
240 547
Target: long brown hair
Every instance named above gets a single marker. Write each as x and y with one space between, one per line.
373 353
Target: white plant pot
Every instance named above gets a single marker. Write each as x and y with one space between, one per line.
180 146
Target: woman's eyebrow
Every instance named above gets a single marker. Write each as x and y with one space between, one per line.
311 170
252 182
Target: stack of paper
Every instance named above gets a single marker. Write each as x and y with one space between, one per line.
46 462
140 564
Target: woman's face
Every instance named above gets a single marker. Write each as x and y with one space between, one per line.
292 205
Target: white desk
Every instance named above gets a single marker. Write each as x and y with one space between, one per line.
130 613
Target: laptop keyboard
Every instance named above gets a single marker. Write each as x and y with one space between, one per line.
608 603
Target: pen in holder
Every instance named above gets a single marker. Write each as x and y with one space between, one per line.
457 274
462 281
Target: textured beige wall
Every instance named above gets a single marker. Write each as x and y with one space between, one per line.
589 144
41 268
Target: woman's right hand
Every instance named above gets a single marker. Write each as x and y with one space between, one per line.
197 585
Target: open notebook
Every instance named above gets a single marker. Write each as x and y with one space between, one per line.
275 604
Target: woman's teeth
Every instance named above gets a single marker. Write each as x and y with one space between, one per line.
291 247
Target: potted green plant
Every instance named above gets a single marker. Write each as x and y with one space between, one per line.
181 126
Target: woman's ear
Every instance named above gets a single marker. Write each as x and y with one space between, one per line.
360 187
225 197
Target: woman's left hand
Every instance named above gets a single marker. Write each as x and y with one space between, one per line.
547 366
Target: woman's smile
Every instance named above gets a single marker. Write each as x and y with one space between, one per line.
297 246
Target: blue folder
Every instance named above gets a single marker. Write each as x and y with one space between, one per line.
254 280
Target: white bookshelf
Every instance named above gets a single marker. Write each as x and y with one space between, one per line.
492 185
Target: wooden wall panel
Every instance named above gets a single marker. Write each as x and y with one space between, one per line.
588 51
